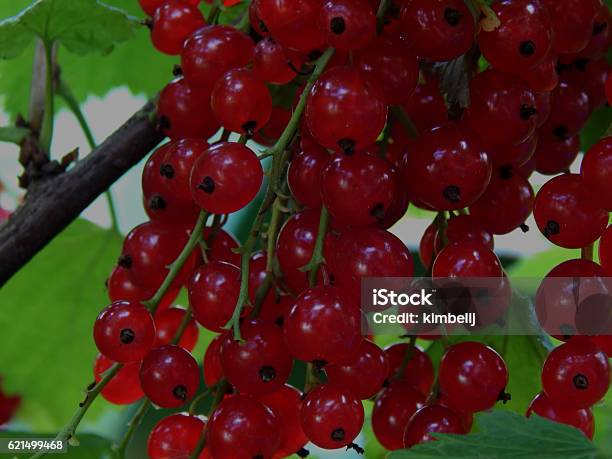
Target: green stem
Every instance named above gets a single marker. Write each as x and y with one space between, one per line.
13 134
407 357
46 131
380 15
586 253
175 267
132 426
317 254
221 390
214 12
278 151
194 403
67 433
400 115
66 93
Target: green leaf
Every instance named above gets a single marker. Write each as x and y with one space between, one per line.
81 26
48 311
90 446
13 134
507 435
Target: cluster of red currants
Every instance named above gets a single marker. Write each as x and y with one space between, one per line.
351 160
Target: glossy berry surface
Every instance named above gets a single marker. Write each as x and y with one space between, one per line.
241 102
472 376
169 376
466 228
213 292
176 163
389 62
167 325
286 404
572 32
581 418
447 168
502 108
212 51
554 155
124 388
576 374
331 416
393 409
211 366
124 331
596 172
175 436
324 325
429 420
347 176
345 111
184 111
438 30
523 39
221 245
466 259
149 6
304 174
347 24
243 427
371 361
567 214
172 23
275 64
225 178
418 372
260 363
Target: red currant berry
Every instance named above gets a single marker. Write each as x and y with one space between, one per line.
149 6
225 178
172 23
241 102
506 157
466 228
185 111
347 24
502 109
167 324
368 252
543 77
605 250
393 409
472 377
570 110
149 249
359 174
323 325
176 165
121 286
523 39
576 374
286 405
572 31
260 363
603 342
418 373
213 293
509 193
292 23
581 418
371 361
175 436
255 21
124 331
438 30
426 108
295 246
243 428
466 259
430 420
275 64
596 172
567 214
124 388
169 376
345 111
427 251
271 132
212 369
304 175
212 51
389 62
331 416
447 168
221 245
554 155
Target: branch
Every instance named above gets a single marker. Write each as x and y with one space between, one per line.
53 202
